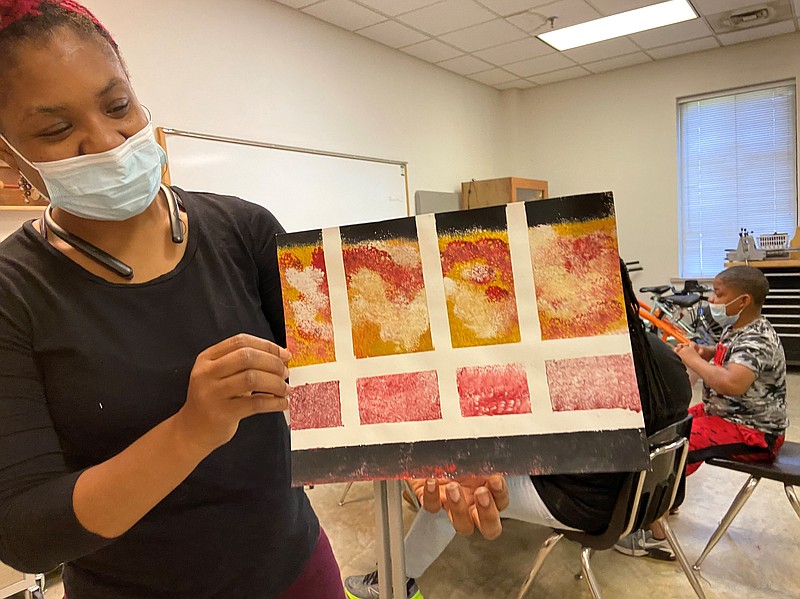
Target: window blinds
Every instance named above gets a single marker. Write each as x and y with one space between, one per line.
737 169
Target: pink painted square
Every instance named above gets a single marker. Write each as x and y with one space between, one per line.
593 383
315 405
409 397
493 390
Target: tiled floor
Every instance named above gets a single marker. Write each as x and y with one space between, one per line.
757 559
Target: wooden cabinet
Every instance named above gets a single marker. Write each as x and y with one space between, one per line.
782 307
492 192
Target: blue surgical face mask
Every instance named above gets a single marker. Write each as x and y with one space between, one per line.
112 186
719 312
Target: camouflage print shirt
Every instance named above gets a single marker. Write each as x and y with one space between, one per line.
763 405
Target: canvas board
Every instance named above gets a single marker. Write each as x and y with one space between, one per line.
489 340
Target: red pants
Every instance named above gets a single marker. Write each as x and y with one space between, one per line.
715 437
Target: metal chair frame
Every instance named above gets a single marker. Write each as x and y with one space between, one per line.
784 469
631 501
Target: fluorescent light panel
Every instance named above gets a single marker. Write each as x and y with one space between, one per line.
624 23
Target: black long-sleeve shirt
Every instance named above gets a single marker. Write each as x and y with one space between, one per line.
88 366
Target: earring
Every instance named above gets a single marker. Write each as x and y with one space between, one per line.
27 189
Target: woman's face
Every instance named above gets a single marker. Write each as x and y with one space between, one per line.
66 98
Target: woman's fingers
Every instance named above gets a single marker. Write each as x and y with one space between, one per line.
485 514
249 382
260 403
244 341
431 500
458 509
496 483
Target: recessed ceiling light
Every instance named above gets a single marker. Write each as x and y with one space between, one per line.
624 23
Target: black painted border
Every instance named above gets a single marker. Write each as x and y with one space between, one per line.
622 450
575 208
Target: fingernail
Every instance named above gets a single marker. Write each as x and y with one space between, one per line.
453 492
496 484
430 485
483 497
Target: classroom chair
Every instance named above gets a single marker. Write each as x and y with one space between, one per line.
645 497
785 469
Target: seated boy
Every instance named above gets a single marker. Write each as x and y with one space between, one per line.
743 414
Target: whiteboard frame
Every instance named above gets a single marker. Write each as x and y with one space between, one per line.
162 133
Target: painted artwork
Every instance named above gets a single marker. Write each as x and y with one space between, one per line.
388 305
478 281
406 397
490 340
576 267
315 405
593 383
306 300
493 390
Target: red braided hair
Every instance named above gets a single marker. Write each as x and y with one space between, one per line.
12 11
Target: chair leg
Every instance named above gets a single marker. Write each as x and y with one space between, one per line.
676 547
792 498
542 554
738 503
346 491
586 553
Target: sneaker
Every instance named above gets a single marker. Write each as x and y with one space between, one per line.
642 544
366 587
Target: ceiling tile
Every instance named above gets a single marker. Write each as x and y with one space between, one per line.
432 51
612 7
755 33
672 34
516 84
506 8
396 7
392 33
344 13
515 51
297 3
710 7
567 12
465 65
477 37
619 62
541 64
493 76
705 43
561 75
447 16
602 50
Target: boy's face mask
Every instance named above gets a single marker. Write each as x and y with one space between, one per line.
719 312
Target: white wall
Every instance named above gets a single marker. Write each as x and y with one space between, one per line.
260 70
257 69
618 131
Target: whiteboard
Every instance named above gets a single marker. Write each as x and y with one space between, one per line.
303 190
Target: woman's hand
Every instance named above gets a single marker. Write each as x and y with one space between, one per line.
236 378
470 502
